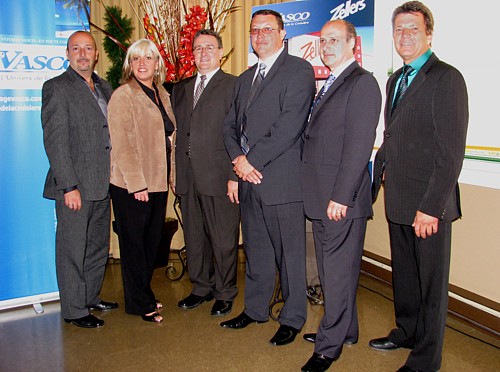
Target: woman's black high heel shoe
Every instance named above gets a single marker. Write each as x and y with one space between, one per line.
153 317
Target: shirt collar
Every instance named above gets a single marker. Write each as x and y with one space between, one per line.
340 69
209 75
420 61
269 61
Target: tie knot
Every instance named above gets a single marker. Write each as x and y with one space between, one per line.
328 83
407 70
203 77
262 69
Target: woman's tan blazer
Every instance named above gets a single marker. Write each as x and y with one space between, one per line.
138 142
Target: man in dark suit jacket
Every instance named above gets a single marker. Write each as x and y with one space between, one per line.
419 163
205 179
263 138
76 139
336 185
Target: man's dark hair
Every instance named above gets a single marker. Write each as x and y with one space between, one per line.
416 7
213 33
279 19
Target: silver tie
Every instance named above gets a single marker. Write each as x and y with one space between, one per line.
199 90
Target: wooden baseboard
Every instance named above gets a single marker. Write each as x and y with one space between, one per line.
475 317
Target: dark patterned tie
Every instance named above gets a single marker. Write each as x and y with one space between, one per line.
199 90
255 85
324 89
403 86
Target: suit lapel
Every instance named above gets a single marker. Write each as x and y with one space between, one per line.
84 91
269 75
212 84
335 85
412 91
189 92
247 84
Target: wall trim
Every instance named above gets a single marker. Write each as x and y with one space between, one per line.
460 301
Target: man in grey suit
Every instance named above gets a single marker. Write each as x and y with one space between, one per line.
426 118
76 140
336 185
205 179
263 136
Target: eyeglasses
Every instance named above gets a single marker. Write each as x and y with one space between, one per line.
207 48
265 30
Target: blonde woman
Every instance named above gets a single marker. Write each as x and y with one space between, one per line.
140 122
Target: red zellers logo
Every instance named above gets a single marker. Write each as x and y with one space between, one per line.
310 50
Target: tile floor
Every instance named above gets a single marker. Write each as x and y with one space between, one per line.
191 340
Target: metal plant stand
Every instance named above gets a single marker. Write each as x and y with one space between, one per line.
177 266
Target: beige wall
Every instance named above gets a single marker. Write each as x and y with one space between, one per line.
475 260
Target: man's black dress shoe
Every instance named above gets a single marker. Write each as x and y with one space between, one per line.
104 306
284 335
192 301
311 337
383 343
405 368
88 321
221 307
318 363
241 321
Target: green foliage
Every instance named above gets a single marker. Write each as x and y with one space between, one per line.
120 27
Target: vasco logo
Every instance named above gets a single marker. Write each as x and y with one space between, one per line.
347 9
295 17
18 61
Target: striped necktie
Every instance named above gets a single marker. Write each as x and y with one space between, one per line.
403 86
255 85
199 90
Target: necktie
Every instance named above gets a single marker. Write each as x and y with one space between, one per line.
199 90
403 85
255 85
324 89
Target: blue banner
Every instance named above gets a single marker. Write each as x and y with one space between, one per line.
33 35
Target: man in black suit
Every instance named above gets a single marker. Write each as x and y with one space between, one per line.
76 140
419 163
204 178
262 133
336 185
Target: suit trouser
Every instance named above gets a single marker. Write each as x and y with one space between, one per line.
339 247
82 245
139 225
211 228
274 236
420 271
